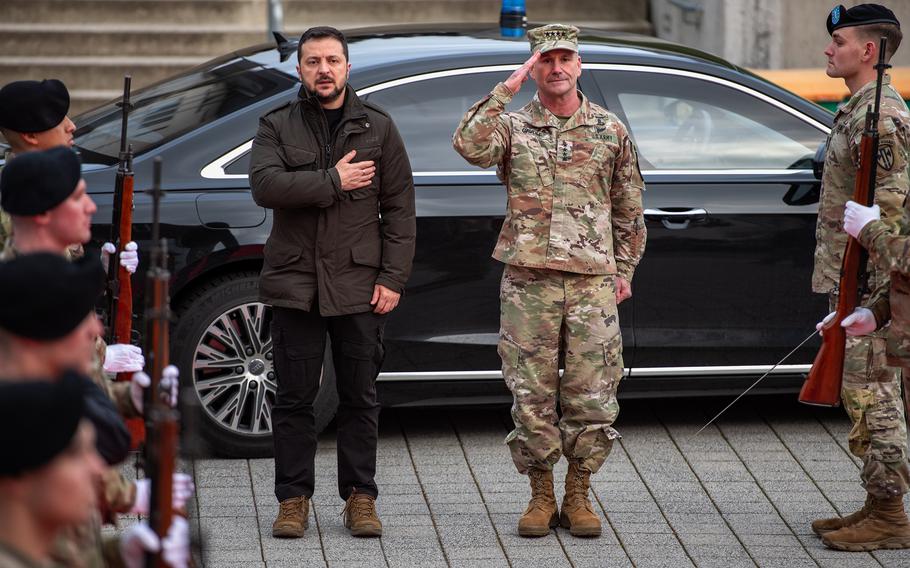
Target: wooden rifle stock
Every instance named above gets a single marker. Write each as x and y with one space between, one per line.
823 385
161 419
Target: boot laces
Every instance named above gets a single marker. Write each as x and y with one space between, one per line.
540 492
359 505
289 510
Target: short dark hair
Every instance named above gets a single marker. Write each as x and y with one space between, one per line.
320 32
890 31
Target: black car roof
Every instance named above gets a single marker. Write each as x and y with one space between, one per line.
387 46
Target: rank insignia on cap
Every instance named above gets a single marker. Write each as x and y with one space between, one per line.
553 36
835 15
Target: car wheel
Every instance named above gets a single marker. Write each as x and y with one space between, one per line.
222 343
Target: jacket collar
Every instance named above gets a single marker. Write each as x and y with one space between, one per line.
352 107
539 116
864 94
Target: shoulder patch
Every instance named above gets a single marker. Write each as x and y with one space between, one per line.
886 155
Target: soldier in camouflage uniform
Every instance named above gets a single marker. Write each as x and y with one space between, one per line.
871 390
573 235
33 116
47 184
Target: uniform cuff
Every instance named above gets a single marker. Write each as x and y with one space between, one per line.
502 93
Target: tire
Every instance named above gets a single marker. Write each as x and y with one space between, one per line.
212 321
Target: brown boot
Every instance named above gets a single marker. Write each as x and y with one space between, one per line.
360 515
292 518
541 514
886 526
577 511
822 526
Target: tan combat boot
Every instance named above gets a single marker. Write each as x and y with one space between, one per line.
541 514
360 515
577 511
822 526
292 518
886 526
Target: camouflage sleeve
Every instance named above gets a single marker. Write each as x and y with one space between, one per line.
110 550
123 400
629 230
483 135
892 184
888 248
6 228
118 492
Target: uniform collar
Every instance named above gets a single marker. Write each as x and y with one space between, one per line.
865 93
541 117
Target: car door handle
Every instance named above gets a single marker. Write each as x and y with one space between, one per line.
676 219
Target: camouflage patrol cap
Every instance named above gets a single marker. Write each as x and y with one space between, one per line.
553 36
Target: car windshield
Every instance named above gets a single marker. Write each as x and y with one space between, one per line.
174 107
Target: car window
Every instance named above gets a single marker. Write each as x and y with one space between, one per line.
687 123
427 113
170 109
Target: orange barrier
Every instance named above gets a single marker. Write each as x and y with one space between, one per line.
815 85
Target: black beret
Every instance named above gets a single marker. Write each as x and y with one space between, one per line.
33 106
859 15
46 296
35 182
38 420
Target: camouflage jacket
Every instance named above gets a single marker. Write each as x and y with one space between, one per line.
841 163
574 190
11 558
890 251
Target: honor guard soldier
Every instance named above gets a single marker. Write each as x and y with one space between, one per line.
871 390
573 234
50 329
33 116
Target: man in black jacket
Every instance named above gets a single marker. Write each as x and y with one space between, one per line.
335 173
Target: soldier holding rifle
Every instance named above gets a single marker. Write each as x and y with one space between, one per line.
871 390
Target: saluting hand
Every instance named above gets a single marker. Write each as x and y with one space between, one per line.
517 79
354 175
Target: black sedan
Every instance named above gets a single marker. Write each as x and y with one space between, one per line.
722 294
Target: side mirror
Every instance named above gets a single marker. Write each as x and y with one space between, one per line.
818 161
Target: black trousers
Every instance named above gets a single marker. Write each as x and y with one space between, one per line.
357 352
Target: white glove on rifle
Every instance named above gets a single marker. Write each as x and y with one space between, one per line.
170 381
139 540
129 256
857 216
860 322
182 490
123 358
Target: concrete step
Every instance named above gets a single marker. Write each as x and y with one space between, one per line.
125 39
94 73
247 12
305 13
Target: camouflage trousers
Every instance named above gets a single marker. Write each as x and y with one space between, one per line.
871 393
541 310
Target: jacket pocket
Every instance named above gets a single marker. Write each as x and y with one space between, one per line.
297 159
369 254
373 153
280 254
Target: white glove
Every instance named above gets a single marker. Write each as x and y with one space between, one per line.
170 381
182 490
123 358
139 540
857 216
176 546
129 256
860 322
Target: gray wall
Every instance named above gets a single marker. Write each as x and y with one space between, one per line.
764 34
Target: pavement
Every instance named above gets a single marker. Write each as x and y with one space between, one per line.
741 493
